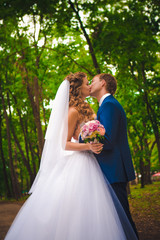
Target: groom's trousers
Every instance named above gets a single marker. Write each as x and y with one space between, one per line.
121 191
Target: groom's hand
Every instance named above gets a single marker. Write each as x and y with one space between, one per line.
94 147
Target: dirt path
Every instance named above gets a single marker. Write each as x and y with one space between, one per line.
8 212
148 228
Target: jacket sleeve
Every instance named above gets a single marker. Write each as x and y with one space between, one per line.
109 116
80 139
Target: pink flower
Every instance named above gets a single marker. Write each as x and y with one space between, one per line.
92 128
101 131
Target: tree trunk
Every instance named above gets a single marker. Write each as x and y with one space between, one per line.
37 115
142 166
15 185
26 163
33 94
151 113
91 50
26 159
148 179
142 172
9 194
147 176
21 177
34 155
150 110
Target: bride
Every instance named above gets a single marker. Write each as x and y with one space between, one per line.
71 199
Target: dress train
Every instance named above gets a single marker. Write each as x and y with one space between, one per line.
74 203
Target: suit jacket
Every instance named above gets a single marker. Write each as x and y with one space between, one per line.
115 159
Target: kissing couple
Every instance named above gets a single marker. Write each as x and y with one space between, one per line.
79 192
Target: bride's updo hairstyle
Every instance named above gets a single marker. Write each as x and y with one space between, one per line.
75 99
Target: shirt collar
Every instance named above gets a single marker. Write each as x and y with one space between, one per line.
103 97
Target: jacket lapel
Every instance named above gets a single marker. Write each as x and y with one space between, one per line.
104 101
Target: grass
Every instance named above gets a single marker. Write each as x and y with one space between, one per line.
145 201
12 200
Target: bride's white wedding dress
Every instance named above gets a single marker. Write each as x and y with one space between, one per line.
70 200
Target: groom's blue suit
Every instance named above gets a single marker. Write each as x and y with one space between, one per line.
115 158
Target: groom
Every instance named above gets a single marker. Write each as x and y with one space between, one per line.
115 158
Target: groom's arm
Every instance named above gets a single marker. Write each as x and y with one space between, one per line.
109 117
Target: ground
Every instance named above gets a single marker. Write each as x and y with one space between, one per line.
145 209
144 204
8 211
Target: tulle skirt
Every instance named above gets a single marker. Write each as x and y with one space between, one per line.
74 202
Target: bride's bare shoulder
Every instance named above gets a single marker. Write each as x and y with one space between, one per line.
73 112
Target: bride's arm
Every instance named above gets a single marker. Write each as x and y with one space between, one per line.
72 122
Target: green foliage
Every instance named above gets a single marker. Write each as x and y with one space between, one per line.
45 41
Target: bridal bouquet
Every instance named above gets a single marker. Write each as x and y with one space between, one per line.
92 131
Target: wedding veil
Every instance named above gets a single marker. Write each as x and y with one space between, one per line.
56 135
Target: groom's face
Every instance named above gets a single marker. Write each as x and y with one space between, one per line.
95 86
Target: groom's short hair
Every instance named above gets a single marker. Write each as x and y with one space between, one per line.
111 82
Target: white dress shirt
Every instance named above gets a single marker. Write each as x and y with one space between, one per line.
103 97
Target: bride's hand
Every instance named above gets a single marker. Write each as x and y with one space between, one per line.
96 147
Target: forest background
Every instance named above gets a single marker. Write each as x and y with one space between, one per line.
43 41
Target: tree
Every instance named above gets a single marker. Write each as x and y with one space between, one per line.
42 42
